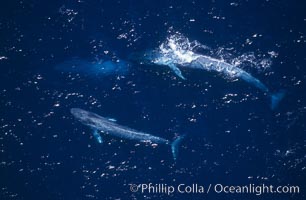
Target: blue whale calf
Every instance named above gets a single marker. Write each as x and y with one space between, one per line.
105 125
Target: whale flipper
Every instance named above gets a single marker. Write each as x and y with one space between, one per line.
276 98
175 144
97 136
176 70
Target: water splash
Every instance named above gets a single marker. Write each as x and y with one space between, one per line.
179 49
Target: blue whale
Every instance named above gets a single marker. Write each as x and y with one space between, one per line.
176 53
97 68
108 126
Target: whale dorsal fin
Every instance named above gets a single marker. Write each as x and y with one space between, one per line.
111 119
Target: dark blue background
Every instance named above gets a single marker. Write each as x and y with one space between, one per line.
46 154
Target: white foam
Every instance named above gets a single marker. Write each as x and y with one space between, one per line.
179 50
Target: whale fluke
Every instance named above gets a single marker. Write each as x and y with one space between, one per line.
276 98
175 144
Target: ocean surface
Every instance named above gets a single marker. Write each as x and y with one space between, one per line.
58 55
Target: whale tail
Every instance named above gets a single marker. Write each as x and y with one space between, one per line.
276 98
175 144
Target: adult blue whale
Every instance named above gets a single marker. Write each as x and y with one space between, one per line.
177 52
96 69
98 123
211 64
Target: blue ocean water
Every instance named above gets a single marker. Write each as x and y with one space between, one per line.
232 138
